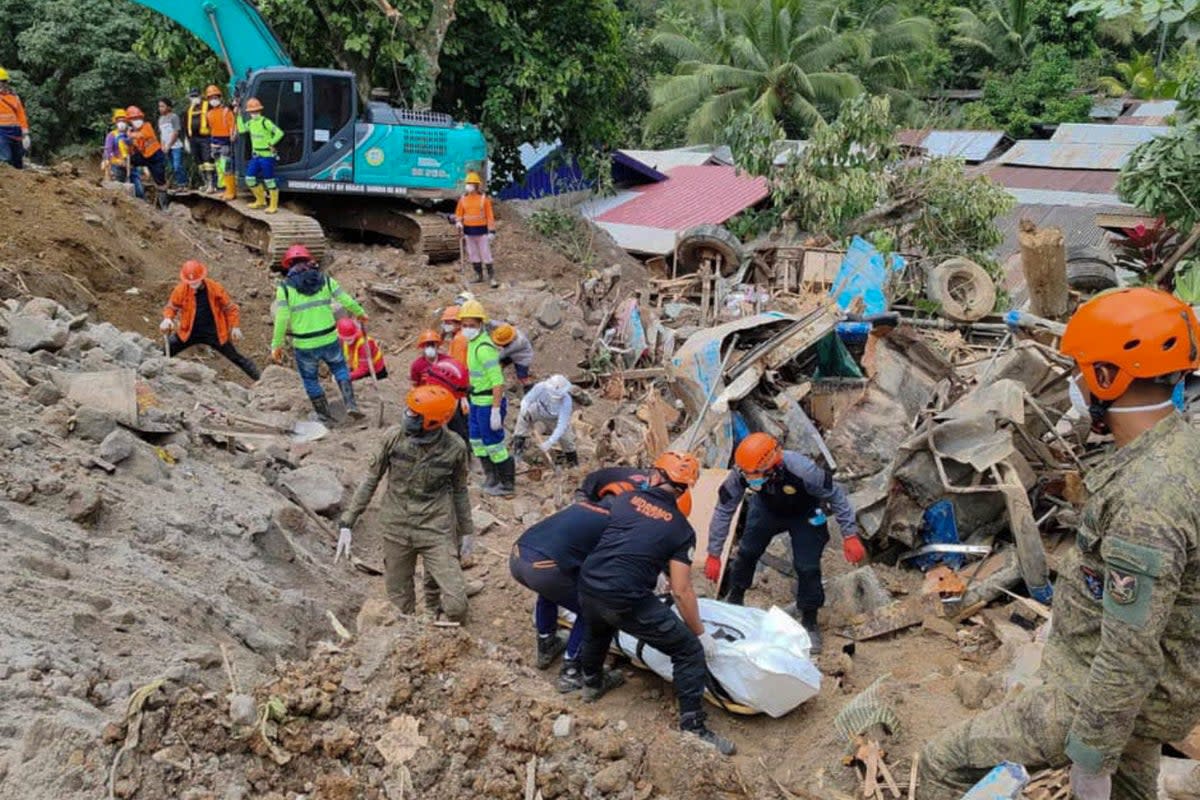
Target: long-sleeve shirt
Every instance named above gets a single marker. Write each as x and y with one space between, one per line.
116 149
519 350
541 404
475 214
798 472
12 113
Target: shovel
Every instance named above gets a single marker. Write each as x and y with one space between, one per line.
167 346
299 432
371 369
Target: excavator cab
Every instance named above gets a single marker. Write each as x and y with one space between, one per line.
316 110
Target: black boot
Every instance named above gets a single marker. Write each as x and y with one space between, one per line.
518 446
478 273
808 618
491 271
596 686
490 478
548 649
693 723
321 406
506 477
570 679
348 398
736 596
571 459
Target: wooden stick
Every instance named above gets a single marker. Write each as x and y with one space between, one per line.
912 776
229 673
531 778
887 777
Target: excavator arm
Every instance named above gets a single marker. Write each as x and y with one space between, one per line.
233 29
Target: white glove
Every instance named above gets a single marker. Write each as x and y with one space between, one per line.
1087 785
467 547
343 545
709 644
491 236
166 325
236 333
496 422
27 143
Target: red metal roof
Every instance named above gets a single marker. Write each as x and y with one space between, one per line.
692 195
1091 181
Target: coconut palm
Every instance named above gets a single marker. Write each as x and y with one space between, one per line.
1002 30
1139 79
776 59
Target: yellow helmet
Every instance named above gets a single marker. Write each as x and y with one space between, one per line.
3 74
472 309
119 113
504 334
473 177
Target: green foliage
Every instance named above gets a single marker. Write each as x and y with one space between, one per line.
1139 79
1002 30
1160 177
1187 284
1184 14
568 233
957 213
71 64
1045 91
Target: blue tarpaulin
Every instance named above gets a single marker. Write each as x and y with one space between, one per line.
864 273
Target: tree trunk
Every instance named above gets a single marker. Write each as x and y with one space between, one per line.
429 47
1044 262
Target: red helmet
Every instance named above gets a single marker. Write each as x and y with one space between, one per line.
296 252
449 373
133 112
347 329
193 271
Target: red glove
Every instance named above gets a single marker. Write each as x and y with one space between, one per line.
853 550
712 568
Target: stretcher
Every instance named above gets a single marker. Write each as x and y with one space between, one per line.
761 664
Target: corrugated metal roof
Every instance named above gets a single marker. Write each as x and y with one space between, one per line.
971 146
1154 108
1091 133
1079 229
1062 155
692 195
1092 181
640 239
532 154
666 160
1108 108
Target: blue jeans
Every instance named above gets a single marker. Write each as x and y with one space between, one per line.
261 167
308 364
181 178
12 151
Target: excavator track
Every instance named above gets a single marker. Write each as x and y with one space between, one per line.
418 230
270 234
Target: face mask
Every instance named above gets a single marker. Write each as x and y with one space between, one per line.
121 126
1077 402
1152 407
448 328
413 424
255 115
470 333
195 101
195 284
471 188
1081 406
138 123
756 484
431 353
214 102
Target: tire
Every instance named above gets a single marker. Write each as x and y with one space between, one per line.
1091 275
695 241
964 290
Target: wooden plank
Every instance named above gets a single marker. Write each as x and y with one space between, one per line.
704 503
893 617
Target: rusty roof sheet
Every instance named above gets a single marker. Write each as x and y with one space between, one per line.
1082 146
1104 135
1093 181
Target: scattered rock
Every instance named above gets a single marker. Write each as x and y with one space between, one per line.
28 333
94 424
45 566
192 371
549 313
45 308
537 284
46 394
972 689
613 778
117 446
564 726
318 485
242 709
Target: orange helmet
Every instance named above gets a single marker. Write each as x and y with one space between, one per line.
681 468
435 405
212 91
684 501
429 337
450 314
193 271
504 334
254 104
1141 332
133 112
758 453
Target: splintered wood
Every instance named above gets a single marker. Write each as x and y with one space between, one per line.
1049 784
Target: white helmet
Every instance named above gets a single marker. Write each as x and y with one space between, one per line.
558 386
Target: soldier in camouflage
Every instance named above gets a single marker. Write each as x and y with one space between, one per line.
1121 668
425 511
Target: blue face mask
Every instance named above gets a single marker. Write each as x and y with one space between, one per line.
1178 398
644 485
755 484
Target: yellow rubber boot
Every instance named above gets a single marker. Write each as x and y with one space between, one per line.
274 205
230 188
260 196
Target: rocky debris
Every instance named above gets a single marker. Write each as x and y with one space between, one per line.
30 333
192 371
317 485
972 689
242 709
94 424
549 313
45 393
613 778
564 726
117 446
84 505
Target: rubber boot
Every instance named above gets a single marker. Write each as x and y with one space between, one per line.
596 687
260 196
736 596
321 407
162 198
348 398
570 679
490 477
506 477
230 188
491 271
478 273
693 723
549 648
808 618
273 205
210 181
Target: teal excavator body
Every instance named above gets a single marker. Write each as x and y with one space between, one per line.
332 145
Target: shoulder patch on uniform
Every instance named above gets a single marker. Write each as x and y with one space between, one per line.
789 489
1121 587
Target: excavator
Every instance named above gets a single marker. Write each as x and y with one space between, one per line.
344 164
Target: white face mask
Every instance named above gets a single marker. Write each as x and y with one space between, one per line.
470 333
448 328
431 353
195 101
1081 405
121 126
138 123
471 188
214 102
195 284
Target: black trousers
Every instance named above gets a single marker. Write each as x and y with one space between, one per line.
458 424
230 352
808 543
652 622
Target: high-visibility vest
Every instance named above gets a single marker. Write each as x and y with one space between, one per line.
483 365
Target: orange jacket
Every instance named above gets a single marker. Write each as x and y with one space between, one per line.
355 352
183 305
144 140
475 211
12 112
458 348
221 123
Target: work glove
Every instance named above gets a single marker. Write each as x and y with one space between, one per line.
709 644
464 406
467 547
236 334
853 550
712 568
277 355
167 325
27 142
495 420
1086 785
491 236
343 545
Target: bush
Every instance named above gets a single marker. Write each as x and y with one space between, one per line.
1045 91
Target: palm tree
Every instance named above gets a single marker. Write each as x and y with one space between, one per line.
886 46
1140 80
1002 30
773 58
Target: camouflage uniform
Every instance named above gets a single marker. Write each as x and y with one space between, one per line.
425 511
1121 668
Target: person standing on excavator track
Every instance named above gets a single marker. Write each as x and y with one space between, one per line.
1119 676
222 132
199 141
14 126
488 405
476 220
200 311
304 310
787 493
264 135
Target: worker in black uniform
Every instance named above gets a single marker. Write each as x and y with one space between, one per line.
611 481
646 535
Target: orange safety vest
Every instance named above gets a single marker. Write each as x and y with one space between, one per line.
458 348
144 141
12 112
221 122
475 211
